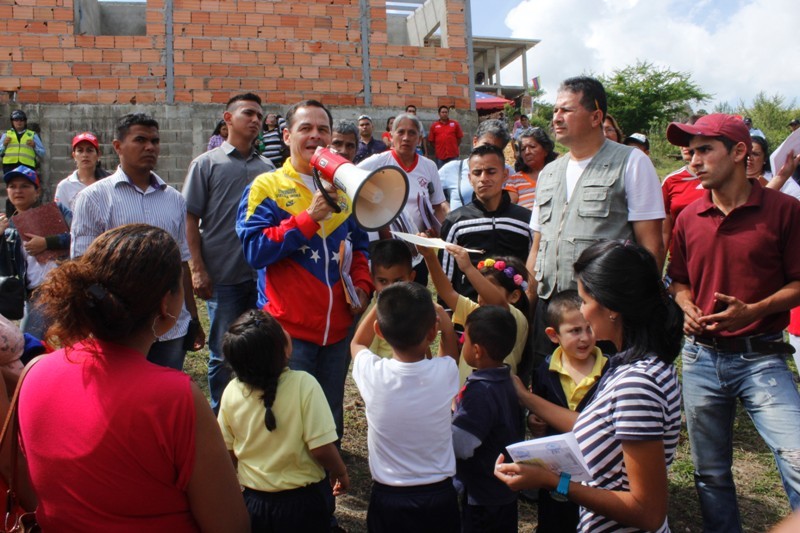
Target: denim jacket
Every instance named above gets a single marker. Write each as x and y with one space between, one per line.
12 261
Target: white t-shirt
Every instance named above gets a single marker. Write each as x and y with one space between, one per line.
67 189
423 180
408 416
642 188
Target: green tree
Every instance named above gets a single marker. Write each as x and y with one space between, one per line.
770 114
643 95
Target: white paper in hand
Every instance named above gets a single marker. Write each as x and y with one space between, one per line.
778 157
429 242
557 453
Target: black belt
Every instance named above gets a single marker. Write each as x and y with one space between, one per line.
751 344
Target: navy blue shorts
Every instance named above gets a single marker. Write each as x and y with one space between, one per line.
419 509
303 509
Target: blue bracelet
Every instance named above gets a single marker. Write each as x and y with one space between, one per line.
559 494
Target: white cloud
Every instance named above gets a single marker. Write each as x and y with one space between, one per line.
732 48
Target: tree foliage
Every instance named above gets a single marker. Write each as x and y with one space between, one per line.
770 114
643 95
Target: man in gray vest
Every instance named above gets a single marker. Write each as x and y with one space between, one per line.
598 190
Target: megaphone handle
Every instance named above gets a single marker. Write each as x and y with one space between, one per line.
318 182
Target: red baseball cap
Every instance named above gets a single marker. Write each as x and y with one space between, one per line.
714 125
86 137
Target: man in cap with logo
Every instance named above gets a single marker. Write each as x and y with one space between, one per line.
735 272
19 145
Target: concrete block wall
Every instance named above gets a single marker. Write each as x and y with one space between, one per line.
216 48
184 129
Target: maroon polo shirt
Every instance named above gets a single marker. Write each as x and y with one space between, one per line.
751 253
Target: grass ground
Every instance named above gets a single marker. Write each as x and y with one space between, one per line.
762 500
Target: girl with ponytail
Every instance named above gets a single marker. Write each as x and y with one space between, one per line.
629 432
279 430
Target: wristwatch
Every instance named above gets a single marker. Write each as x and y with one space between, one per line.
559 494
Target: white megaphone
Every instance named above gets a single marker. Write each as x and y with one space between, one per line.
378 196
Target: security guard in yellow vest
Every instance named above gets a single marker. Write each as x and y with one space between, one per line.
19 145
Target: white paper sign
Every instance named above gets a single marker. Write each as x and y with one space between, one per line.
557 453
427 241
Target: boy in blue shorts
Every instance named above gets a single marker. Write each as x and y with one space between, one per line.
568 378
486 420
408 399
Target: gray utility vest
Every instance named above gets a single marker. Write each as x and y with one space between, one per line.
598 210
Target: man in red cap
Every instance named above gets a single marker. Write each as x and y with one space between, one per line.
735 272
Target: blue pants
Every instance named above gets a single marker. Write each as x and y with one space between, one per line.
713 381
329 365
302 509
168 353
420 509
227 303
34 321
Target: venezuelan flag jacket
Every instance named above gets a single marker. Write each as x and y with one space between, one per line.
297 258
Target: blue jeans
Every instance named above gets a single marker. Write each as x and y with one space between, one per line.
329 365
168 353
33 321
227 303
712 383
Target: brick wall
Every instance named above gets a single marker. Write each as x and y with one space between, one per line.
288 50
285 51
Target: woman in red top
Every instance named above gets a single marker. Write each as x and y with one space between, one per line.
112 441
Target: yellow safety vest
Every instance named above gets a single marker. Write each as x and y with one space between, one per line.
18 151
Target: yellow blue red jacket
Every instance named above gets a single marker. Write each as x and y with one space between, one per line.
297 259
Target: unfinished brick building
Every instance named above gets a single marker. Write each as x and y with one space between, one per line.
77 65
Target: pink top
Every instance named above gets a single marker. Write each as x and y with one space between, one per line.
110 441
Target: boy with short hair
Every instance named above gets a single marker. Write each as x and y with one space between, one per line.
486 420
390 262
569 378
408 399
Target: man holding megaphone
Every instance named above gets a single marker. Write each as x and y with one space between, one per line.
292 235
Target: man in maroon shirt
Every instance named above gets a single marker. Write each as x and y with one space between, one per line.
445 135
735 272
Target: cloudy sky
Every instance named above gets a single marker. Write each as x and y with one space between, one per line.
732 48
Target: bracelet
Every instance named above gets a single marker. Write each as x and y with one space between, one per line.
560 493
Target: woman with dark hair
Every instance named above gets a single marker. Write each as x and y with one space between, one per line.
219 135
759 168
387 135
611 129
535 149
112 441
629 432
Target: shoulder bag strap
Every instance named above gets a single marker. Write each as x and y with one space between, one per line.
11 425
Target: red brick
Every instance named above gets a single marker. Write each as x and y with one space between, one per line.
39 68
60 28
109 84
199 17
101 69
30 55
61 69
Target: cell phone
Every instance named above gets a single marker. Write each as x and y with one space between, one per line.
719 306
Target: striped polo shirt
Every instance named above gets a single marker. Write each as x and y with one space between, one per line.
636 401
114 201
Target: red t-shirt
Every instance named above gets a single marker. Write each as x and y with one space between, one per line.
445 137
680 189
751 253
110 441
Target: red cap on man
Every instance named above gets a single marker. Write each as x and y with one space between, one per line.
714 125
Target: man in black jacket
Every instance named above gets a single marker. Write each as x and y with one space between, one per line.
490 222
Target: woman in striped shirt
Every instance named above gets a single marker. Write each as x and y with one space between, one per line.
629 432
